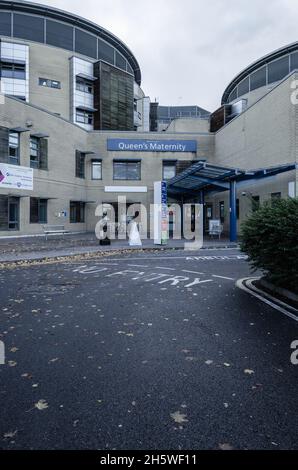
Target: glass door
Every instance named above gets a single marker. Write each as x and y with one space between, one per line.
13 213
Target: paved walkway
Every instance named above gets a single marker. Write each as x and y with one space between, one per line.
35 248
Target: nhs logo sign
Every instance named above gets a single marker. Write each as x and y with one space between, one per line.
138 145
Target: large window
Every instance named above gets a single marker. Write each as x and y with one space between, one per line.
59 34
77 212
278 69
14 148
38 153
13 70
38 210
127 170
80 164
258 79
294 61
96 170
243 87
105 52
5 24
85 43
120 61
84 117
168 170
28 27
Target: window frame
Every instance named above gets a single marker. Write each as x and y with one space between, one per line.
40 202
127 163
96 162
14 160
168 163
79 207
37 141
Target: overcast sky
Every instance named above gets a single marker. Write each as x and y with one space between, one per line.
189 50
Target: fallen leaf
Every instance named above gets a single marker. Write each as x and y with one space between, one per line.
12 363
41 405
179 417
225 446
249 371
10 435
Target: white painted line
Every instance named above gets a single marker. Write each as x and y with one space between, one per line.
137 266
259 295
223 277
192 272
168 269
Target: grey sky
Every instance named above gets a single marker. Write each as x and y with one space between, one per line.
189 50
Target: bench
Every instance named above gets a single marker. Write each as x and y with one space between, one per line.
54 230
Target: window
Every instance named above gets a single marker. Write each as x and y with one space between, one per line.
5 24
84 85
105 52
233 95
38 210
84 117
34 152
168 170
9 213
222 211
127 170
77 212
96 170
28 27
13 213
38 153
243 87
294 61
278 69
14 148
120 61
59 34
49 83
258 79
13 70
80 165
85 43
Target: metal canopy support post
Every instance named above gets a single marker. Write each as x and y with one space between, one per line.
233 211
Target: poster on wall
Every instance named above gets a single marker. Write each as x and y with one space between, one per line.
16 177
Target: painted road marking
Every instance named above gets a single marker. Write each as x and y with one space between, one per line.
192 272
252 290
188 258
223 277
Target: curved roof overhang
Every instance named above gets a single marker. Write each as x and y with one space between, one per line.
74 20
256 65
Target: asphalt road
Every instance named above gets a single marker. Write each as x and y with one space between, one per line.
144 351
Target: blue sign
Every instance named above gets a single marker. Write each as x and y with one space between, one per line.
138 145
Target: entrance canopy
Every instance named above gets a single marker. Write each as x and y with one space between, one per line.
202 177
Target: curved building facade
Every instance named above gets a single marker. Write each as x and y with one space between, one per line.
70 66
257 79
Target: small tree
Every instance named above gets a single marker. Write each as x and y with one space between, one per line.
270 239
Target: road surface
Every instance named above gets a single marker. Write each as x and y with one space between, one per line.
144 351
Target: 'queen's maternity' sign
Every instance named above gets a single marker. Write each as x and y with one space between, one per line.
139 145
16 177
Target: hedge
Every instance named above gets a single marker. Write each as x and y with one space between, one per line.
270 239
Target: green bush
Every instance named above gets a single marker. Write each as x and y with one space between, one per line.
270 239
